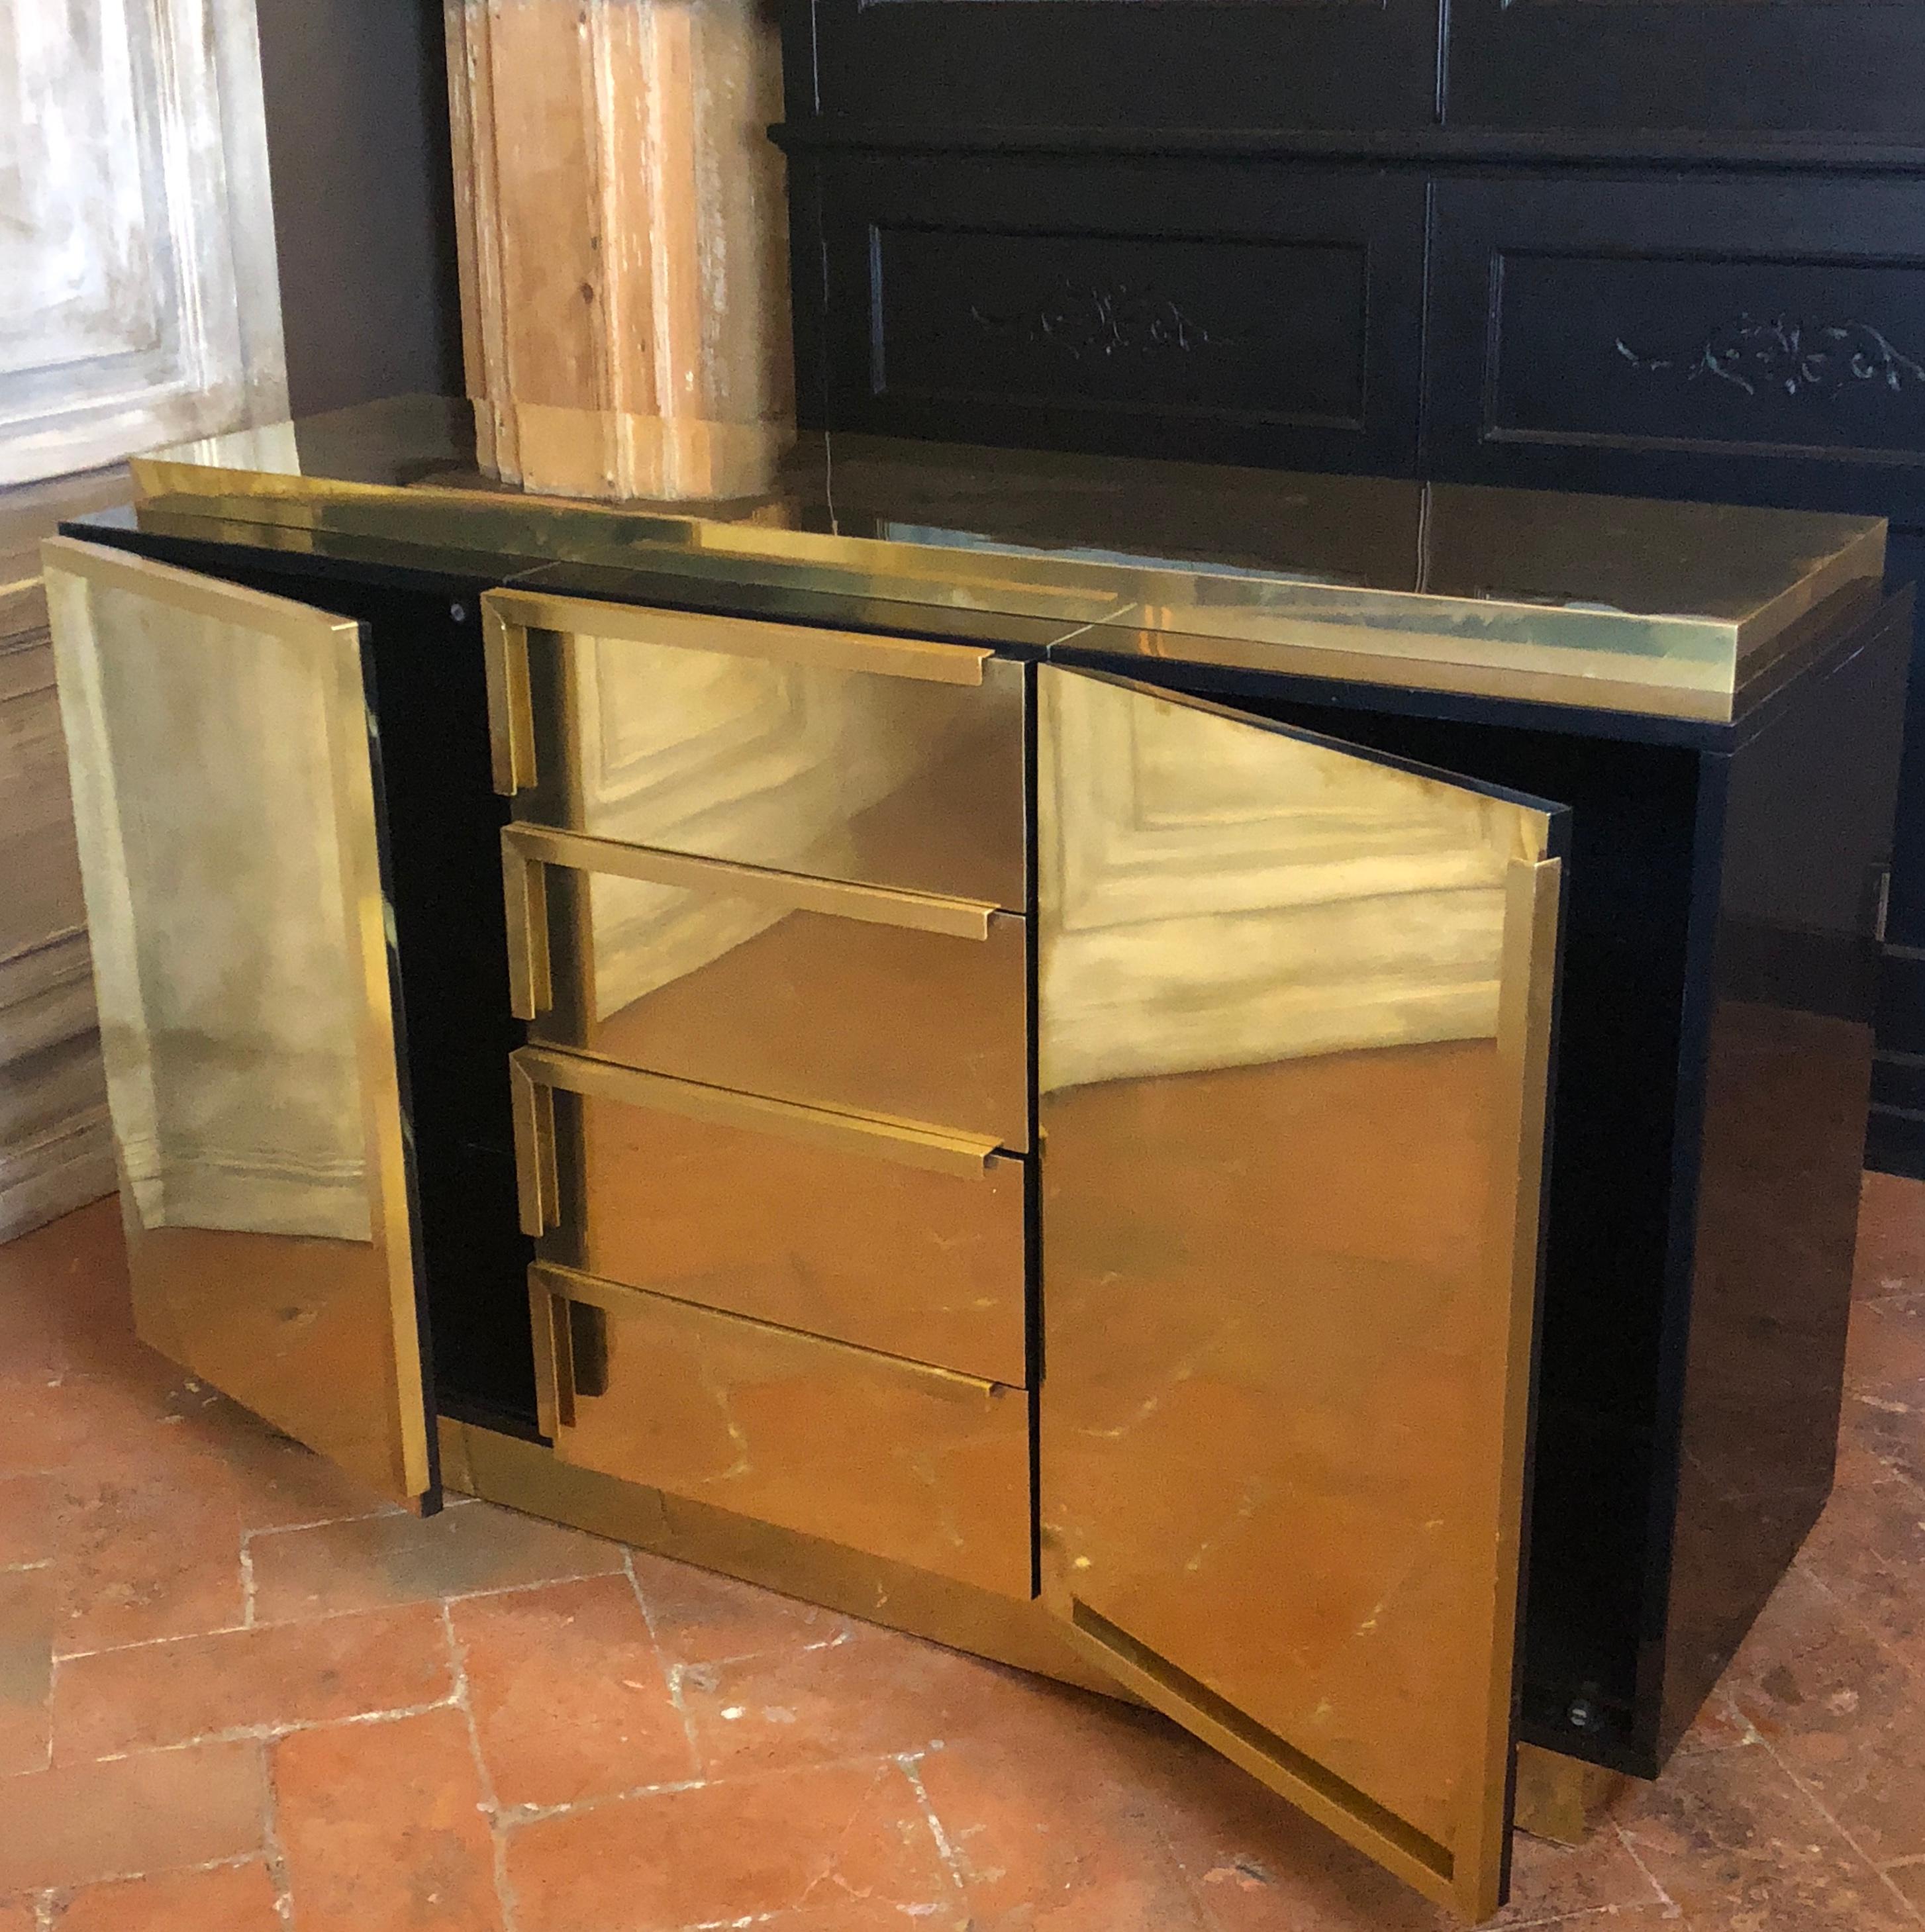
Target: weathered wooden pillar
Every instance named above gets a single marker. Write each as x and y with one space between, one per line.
624 242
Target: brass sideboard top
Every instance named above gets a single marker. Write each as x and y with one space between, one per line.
1672 610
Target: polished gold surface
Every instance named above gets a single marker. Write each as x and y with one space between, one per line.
528 1477
962 1156
886 761
884 1237
1295 1011
1562 1799
1673 610
808 990
908 1463
511 725
786 891
223 793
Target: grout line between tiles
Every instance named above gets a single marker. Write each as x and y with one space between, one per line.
1849 1618
324 1522
53 1895
952 1862
267 1732
671 1673
274 1851
1823 1810
1631 1852
332 1616
831 1873
515 1816
497 1839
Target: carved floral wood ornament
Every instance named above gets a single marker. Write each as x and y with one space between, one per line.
1825 361
1088 322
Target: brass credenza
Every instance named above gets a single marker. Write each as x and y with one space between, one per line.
1189 1080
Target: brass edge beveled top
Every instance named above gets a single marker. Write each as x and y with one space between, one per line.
1612 603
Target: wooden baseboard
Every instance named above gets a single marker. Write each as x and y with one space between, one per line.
52 1176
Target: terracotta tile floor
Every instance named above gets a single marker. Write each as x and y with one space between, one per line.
235 1696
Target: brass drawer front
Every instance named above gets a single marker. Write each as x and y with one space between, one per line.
823 994
900 1461
885 1237
886 761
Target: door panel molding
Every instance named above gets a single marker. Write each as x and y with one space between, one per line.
1290 1250
228 826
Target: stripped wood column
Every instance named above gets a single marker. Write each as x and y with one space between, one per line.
624 242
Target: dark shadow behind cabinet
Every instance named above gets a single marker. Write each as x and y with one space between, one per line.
1661 248
356 99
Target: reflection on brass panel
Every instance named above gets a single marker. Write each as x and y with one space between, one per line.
886 761
527 1477
1562 1799
716 979
875 905
536 1074
837 1237
1294 1006
224 797
908 1463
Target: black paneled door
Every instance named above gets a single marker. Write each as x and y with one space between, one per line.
1248 313
1216 65
1708 67
1758 339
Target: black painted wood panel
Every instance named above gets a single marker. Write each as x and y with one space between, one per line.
1895 1143
1167 64
1266 315
1705 67
1758 339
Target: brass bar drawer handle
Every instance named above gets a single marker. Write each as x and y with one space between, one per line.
742 637
570 1340
538 1071
537 1171
511 724
525 895
527 850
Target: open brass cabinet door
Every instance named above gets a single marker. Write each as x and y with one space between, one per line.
230 847
1296 1011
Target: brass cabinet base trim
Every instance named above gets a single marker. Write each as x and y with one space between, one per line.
1562 1799
525 1476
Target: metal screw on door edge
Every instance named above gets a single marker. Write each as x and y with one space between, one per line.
1583 1714
459 612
